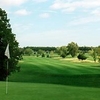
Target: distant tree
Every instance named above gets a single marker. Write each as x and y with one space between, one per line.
48 55
93 53
81 56
98 53
28 51
43 55
58 50
63 54
51 54
98 50
99 59
21 53
42 48
84 49
72 49
62 51
6 36
40 51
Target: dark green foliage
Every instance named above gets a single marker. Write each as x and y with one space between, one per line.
37 55
43 55
6 36
73 49
28 51
48 55
84 49
98 51
42 48
62 51
99 60
94 54
63 55
81 57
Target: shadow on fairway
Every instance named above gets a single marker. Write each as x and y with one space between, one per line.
38 75
73 80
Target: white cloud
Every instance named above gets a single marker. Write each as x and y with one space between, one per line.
96 12
22 28
90 3
71 9
85 20
39 1
92 7
4 3
45 15
22 12
74 4
57 5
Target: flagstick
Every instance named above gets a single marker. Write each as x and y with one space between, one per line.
7 79
7 54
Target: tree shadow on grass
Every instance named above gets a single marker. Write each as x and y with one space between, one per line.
38 75
85 80
72 80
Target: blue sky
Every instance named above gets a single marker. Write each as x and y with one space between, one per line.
54 22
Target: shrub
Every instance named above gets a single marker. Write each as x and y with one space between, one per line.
63 55
48 56
81 57
43 55
99 59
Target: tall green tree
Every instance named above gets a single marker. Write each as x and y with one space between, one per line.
73 49
41 52
98 51
28 51
93 53
62 51
6 36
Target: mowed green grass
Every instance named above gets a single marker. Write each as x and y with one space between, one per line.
56 71
53 79
37 91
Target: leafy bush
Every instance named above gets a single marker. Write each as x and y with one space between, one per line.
48 56
81 57
63 55
99 59
43 55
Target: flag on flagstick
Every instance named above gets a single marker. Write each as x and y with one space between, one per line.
7 52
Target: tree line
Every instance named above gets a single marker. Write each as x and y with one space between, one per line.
71 49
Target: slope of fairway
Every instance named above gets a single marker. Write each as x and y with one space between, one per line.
52 71
53 79
32 91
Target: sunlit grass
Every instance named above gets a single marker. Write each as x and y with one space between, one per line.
53 79
37 91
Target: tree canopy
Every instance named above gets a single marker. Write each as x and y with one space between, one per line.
73 49
7 37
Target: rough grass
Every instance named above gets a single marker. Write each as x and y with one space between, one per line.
53 79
